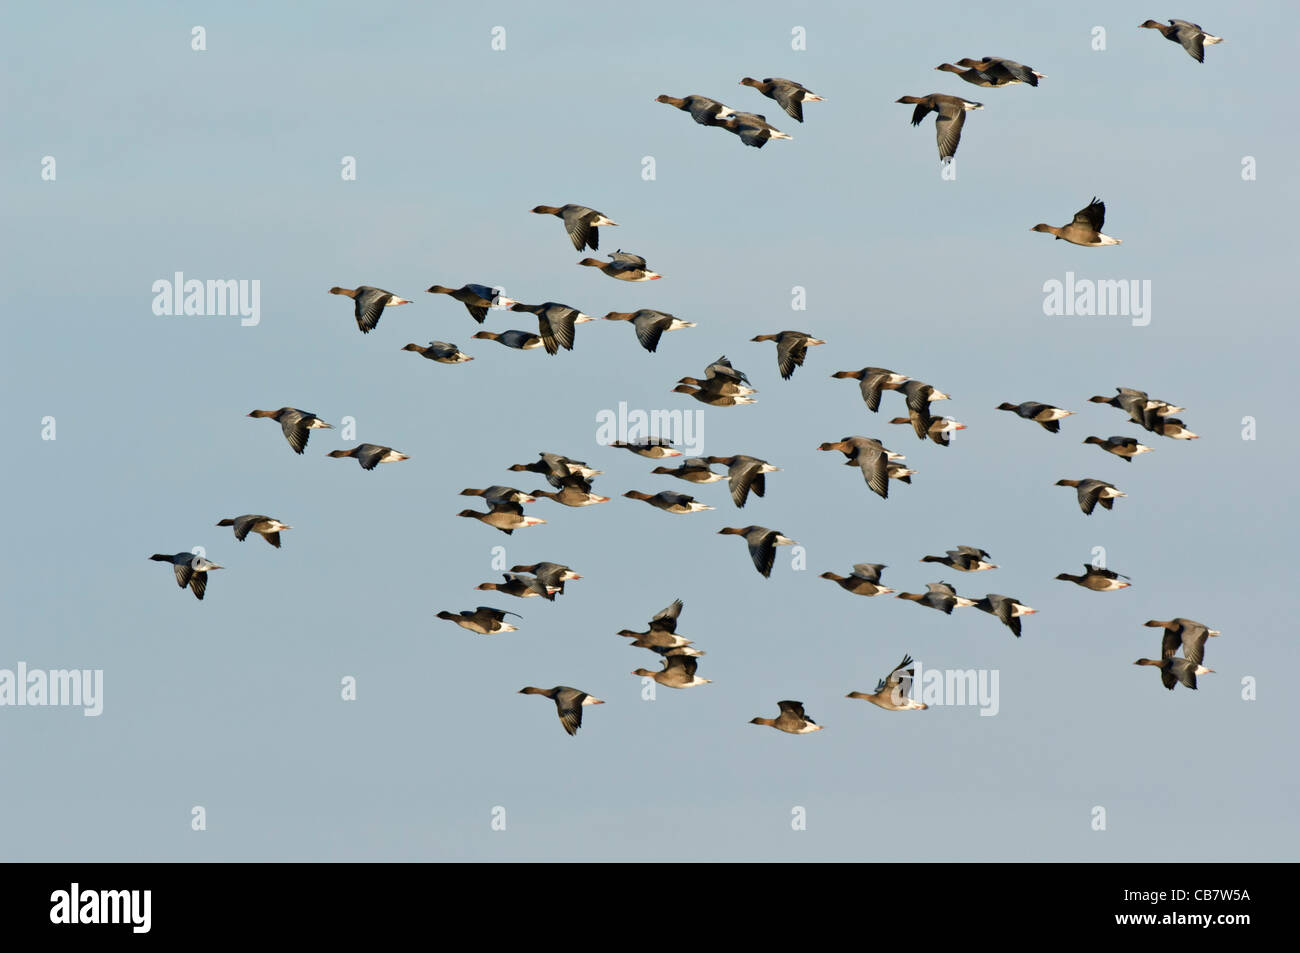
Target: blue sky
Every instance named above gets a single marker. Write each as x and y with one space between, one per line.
226 163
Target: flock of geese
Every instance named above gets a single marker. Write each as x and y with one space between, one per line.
723 385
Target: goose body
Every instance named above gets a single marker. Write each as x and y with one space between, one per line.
477 299
583 224
792 720
296 425
569 703
266 527
762 543
484 620
788 94
440 351
1085 229
950 117
370 455
1091 492
368 304
190 570
892 691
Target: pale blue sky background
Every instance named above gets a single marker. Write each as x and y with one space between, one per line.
225 164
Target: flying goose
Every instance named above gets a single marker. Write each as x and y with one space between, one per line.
873 380
295 424
504 516
951 116
370 455
191 570
744 473
1186 634
1091 492
669 502
1126 448
368 304
1192 37
678 672
1177 671
791 349
892 692
650 325
1008 610
654 448
1085 229
624 266
484 620
792 719
555 323
762 544
266 527
993 71
692 470
440 351
583 224
753 129
941 596
520 586
789 95
477 299
705 111
1046 415
568 703
963 559
865 580
1096 578
519 340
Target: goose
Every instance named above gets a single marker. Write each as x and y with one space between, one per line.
938 429
295 424
1186 634
791 349
963 559
744 473
551 575
1177 671
499 494
555 323
871 456
266 527
661 631
669 502
718 387
1008 610
705 111
951 116
1091 492
678 672
368 304
654 448
506 517
1085 229
477 299
574 490
583 224
568 703
1046 415
865 580
440 351
920 396
892 692
1126 448
1192 38
650 325
624 266
484 620
692 470
1097 579
557 465
523 587
792 719
941 596
753 129
191 570
712 398
519 340
370 455
762 544
993 71
873 381
1142 409
789 95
